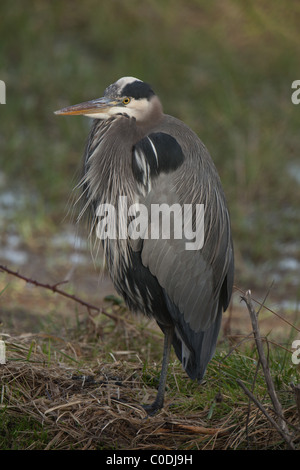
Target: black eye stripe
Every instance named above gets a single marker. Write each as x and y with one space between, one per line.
138 90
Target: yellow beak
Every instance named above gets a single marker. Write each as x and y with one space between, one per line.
98 106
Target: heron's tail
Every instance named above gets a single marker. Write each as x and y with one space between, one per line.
195 349
196 353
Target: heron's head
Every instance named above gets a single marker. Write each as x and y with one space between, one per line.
128 97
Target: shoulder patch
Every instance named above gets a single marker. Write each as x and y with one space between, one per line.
158 152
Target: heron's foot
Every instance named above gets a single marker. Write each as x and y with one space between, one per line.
153 408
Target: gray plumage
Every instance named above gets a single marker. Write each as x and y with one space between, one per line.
135 150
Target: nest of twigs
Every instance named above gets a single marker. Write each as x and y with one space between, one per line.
98 408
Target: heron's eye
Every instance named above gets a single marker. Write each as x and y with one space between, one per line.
126 100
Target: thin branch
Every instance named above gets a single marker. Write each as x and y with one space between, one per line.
264 363
261 304
296 390
284 434
54 288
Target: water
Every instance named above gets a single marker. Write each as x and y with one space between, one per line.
13 203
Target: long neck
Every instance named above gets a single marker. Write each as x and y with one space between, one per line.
108 169
108 160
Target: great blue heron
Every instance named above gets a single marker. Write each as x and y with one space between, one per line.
136 151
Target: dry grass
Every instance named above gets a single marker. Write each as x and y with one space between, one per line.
95 405
79 384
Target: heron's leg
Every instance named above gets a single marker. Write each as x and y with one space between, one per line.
159 400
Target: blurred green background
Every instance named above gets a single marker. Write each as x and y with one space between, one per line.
224 67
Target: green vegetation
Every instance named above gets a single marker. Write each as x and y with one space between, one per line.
21 432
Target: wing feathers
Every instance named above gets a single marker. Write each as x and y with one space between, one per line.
196 283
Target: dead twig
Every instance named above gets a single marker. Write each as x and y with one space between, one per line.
296 390
171 428
269 382
285 436
54 288
261 304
